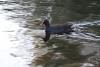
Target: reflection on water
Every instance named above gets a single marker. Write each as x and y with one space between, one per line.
62 53
21 34
7 31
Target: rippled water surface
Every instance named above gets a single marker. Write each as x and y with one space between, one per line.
21 33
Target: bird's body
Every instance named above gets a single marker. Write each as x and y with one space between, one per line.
58 29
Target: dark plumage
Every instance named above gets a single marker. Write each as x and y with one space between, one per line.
59 29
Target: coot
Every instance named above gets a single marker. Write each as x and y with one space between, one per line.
57 29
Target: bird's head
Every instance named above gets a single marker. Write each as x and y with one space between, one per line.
46 22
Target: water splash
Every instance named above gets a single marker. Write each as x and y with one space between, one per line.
81 31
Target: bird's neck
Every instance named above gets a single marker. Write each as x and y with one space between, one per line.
47 25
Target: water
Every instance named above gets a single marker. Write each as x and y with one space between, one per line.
21 33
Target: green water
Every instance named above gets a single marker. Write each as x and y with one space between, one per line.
22 42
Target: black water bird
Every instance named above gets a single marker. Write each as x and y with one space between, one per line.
58 29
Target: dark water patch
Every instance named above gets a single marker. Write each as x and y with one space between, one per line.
45 3
88 9
94 29
8 9
62 52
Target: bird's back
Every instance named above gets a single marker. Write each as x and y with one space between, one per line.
58 29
